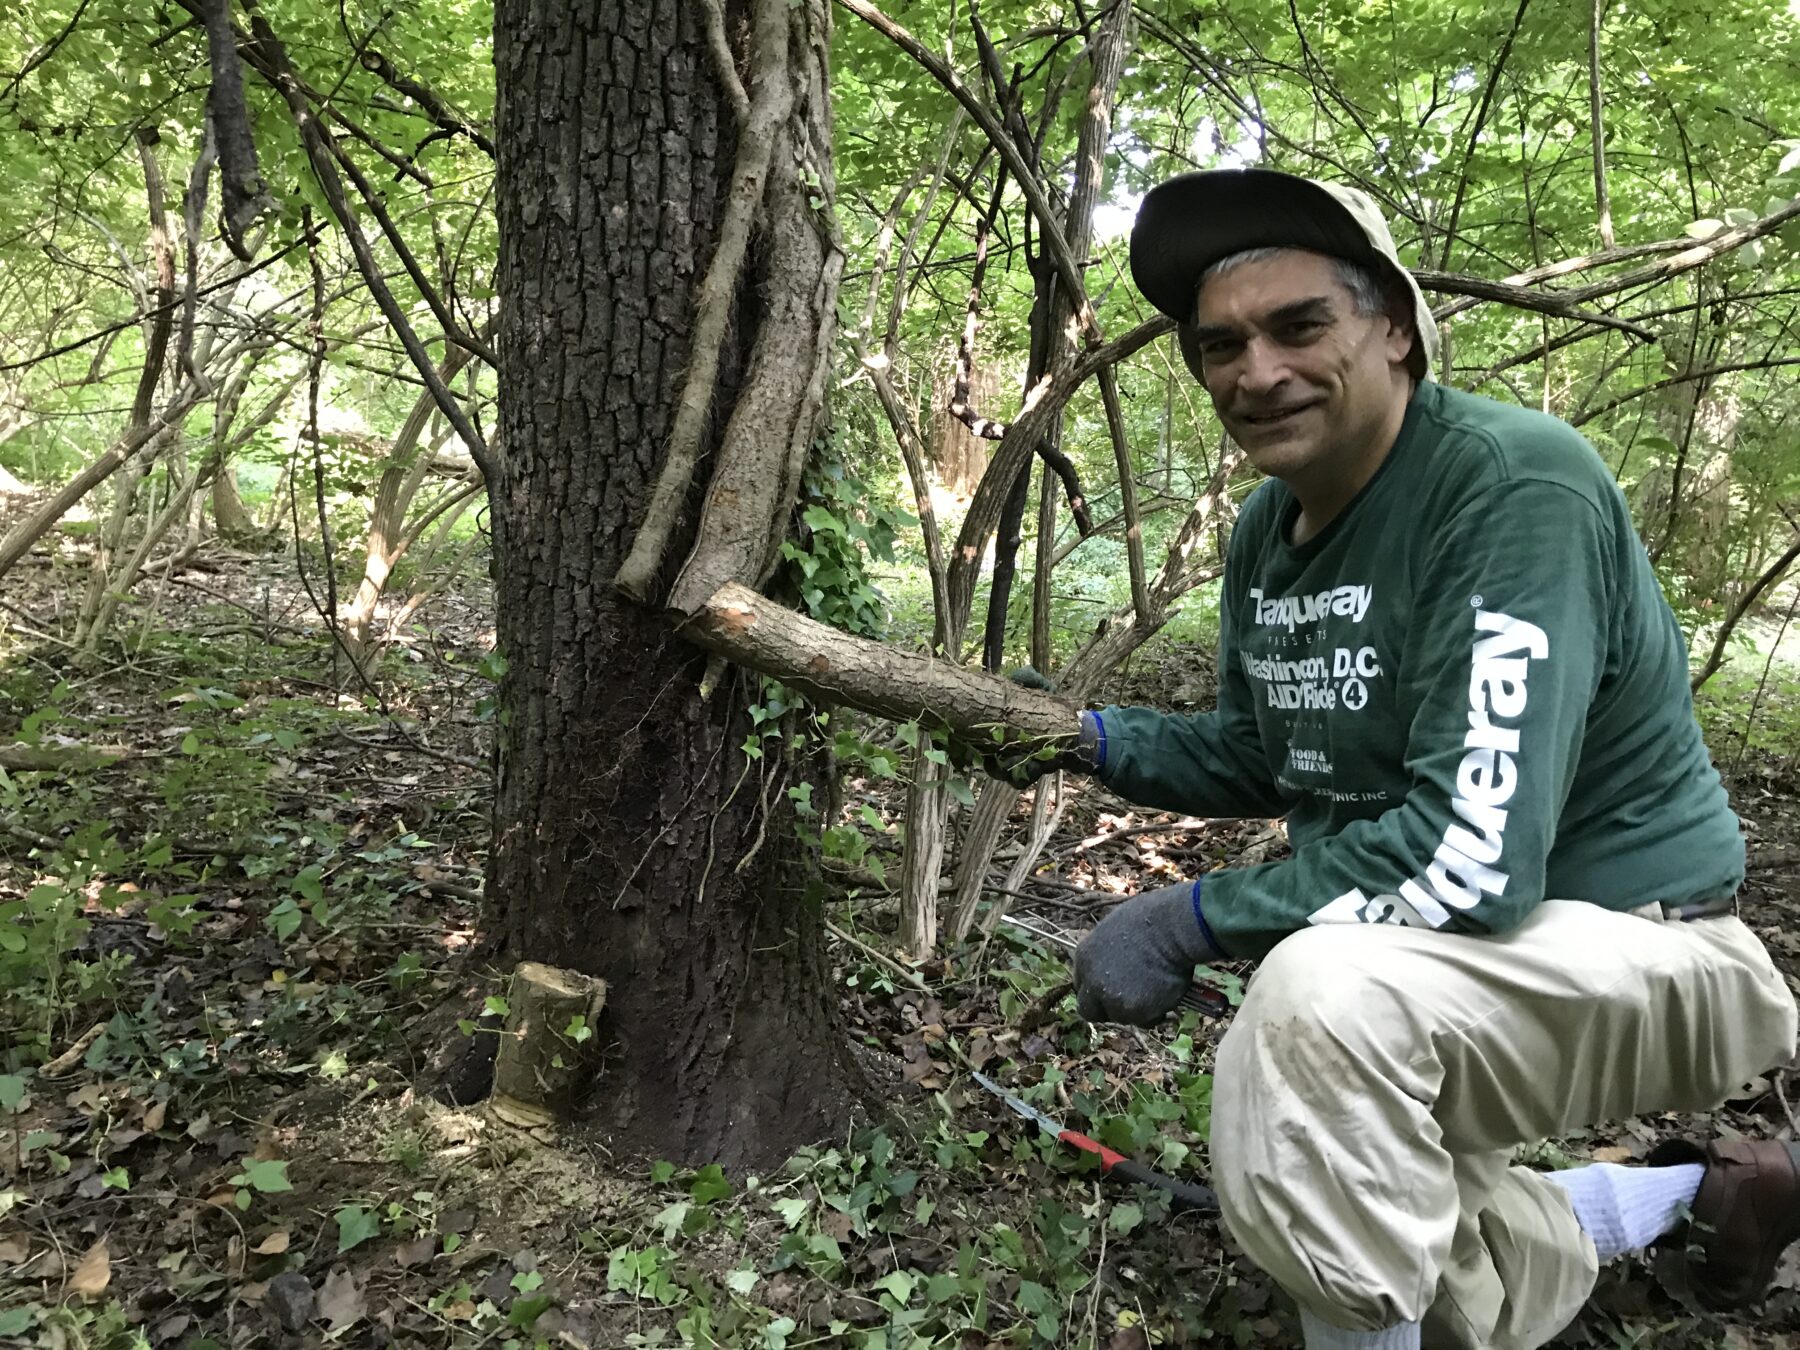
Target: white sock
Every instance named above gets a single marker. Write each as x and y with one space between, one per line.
1322 1335
1625 1209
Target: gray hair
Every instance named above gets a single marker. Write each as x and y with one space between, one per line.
1364 286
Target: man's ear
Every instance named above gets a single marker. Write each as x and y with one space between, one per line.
1402 337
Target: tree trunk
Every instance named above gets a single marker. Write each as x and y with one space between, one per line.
231 518
630 838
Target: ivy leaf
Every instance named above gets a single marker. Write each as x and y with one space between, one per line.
267 1176
356 1226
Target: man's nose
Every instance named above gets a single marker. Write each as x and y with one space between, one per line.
1264 365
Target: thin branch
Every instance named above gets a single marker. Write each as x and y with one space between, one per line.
453 331
448 120
1772 574
1602 203
1686 377
1134 531
1471 136
770 102
44 52
314 138
1067 267
1685 255
305 240
1521 297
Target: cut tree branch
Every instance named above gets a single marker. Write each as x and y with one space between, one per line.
876 677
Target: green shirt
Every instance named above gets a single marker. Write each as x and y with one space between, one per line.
1466 694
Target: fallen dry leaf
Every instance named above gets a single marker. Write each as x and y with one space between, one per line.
14 1250
417 1252
1612 1153
94 1273
154 1117
340 1300
273 1245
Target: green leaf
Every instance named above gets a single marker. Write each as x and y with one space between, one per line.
12 1091
286 919
1124 1218
671 1217
959 789
897 1283
792 1210
495 1006
662 1172
356 1226
267 1176
709 1184
741 1280
17 1321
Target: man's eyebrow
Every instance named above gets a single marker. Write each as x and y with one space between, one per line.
1296 311
1313 307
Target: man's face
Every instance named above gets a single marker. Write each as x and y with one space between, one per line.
1303 383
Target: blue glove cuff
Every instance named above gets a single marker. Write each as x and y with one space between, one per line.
1091 744
1200 918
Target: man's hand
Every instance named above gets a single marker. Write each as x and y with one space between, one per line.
1022 763
1139 960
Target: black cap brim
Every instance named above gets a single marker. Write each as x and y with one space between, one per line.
1194 220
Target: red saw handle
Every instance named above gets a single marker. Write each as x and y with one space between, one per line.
1183 1195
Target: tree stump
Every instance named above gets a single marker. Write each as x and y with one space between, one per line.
546 1045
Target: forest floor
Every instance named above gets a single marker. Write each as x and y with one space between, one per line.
238 939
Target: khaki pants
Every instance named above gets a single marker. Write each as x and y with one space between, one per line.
1371 1090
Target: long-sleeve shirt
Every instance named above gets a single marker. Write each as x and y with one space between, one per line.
1467 694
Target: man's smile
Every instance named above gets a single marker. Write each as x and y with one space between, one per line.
1274 416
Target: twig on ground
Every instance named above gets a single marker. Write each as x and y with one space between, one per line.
1779 1079
881 958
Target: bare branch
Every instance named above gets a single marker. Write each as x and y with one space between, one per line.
1068 269
448 120
1602 203
1716 657
315 139
877 677
1521 297
1687 377
1134 530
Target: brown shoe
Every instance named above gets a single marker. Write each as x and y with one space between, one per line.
1746 1213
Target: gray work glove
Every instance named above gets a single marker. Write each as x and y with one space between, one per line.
1139 960
1021 765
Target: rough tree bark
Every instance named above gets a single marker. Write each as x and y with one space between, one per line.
631 841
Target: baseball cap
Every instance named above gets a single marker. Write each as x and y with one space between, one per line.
1194 220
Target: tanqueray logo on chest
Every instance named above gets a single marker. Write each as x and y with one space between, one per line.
1312 652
